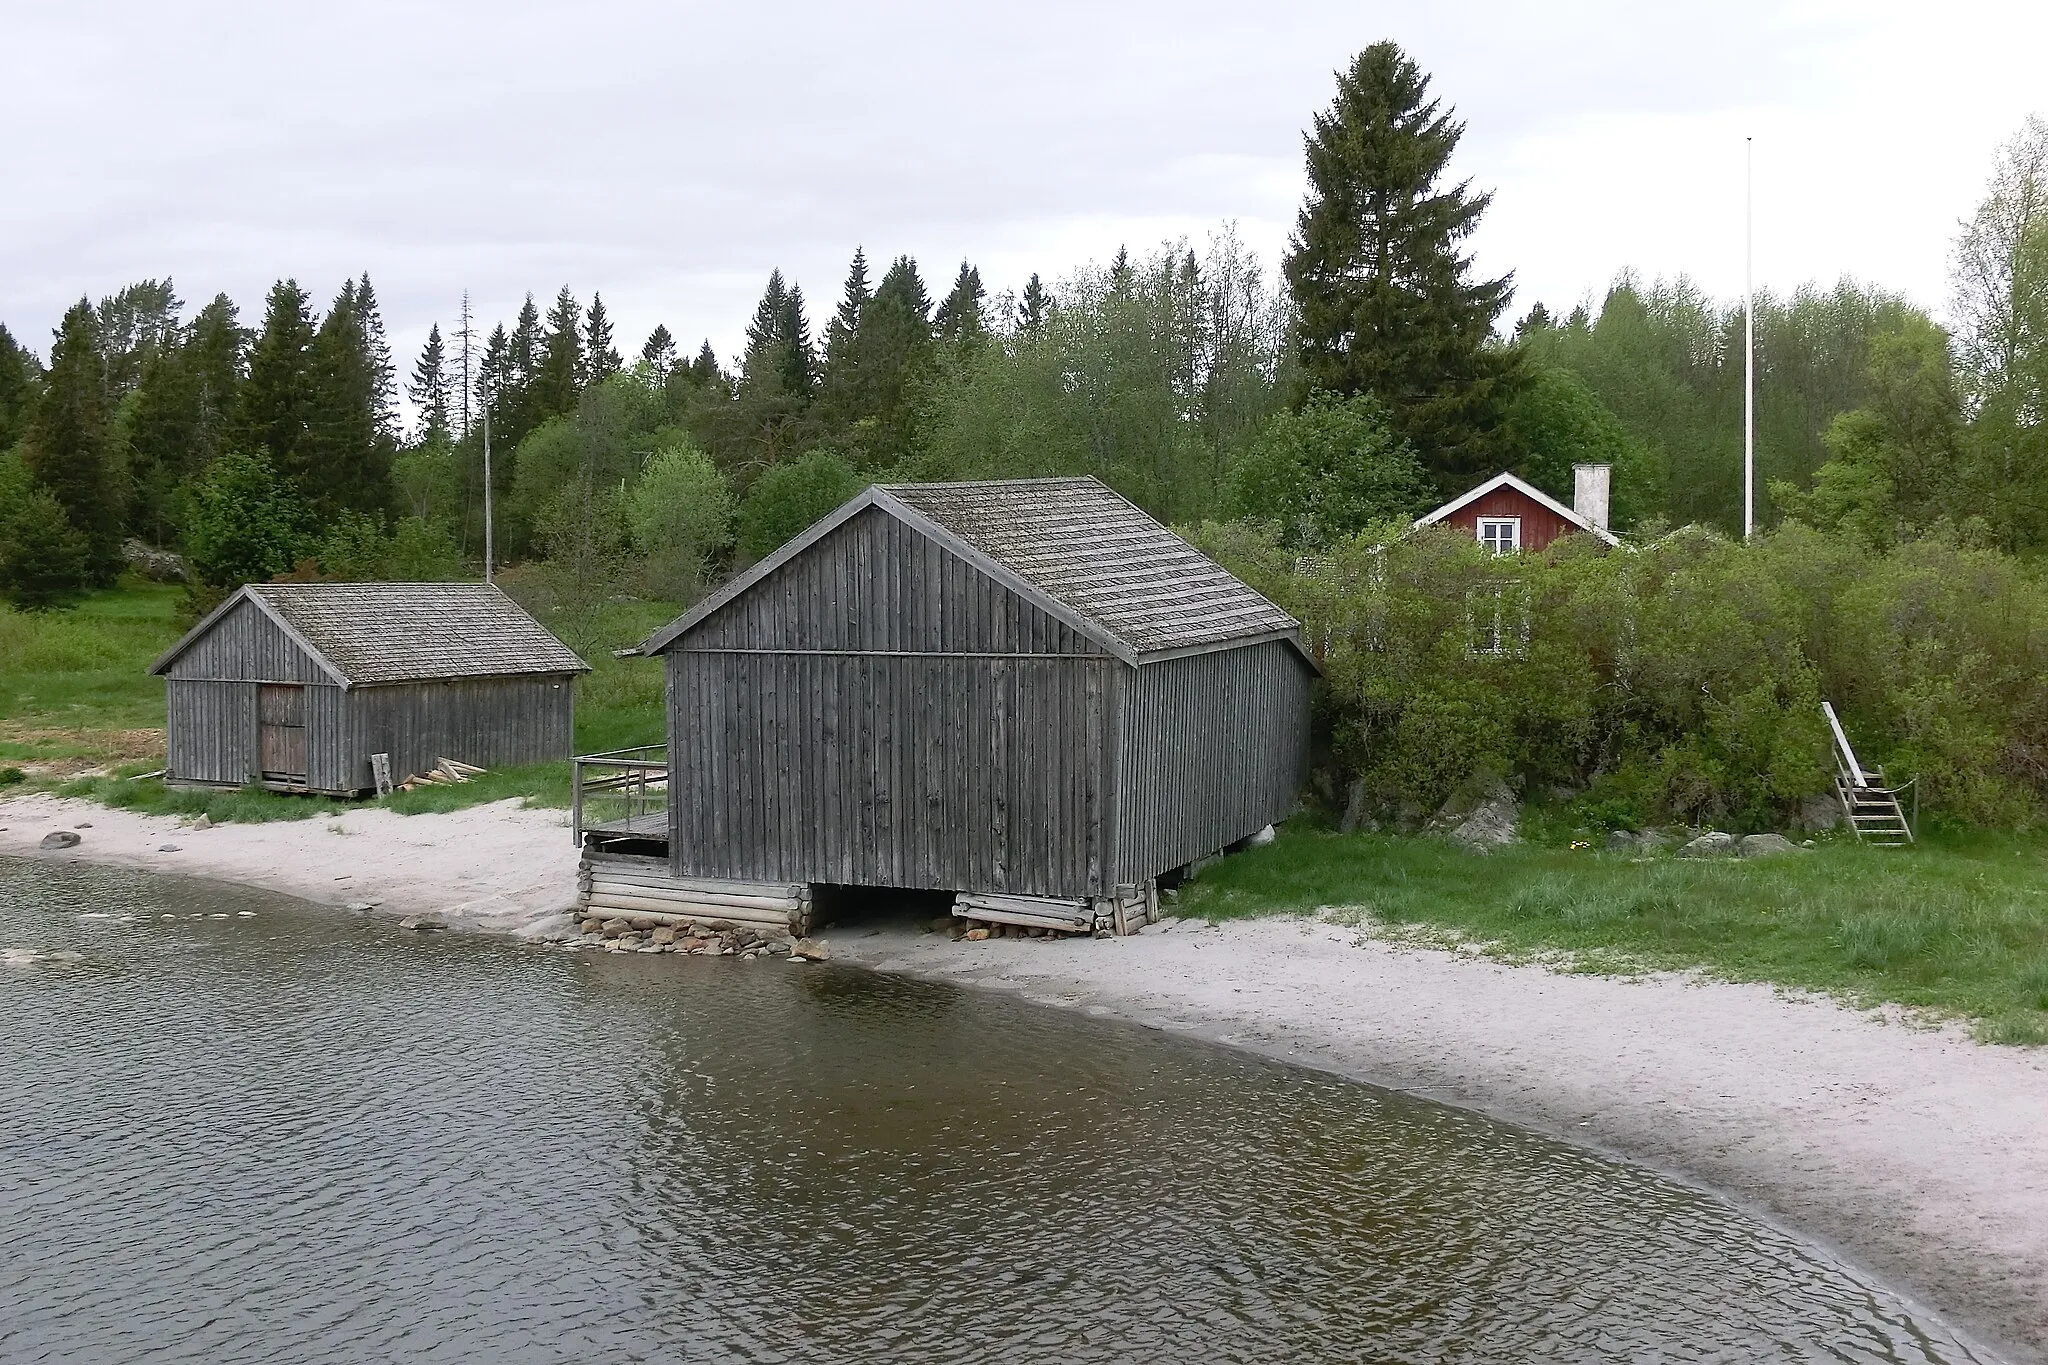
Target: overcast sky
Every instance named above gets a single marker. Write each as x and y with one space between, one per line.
668 155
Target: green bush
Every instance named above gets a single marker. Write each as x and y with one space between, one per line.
787 499
1676 680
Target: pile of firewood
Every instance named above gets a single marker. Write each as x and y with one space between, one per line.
446 772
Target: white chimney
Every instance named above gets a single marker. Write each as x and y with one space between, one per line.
1589 492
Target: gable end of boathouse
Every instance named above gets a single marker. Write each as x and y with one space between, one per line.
1023 687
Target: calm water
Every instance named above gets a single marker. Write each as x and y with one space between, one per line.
294 1136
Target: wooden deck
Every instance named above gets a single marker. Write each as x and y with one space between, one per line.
652 825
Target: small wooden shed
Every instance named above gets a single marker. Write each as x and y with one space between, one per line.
1026 688
294 686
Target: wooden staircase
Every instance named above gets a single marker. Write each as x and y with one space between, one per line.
1872 807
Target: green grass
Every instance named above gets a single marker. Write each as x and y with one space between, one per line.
82 669
1957 926
73 687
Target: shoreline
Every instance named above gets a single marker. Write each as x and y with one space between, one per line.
494 868
1914 1154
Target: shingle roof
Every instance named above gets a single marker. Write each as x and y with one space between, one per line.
1088 555
398 632
1084 545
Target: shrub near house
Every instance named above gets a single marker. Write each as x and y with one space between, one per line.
1681 680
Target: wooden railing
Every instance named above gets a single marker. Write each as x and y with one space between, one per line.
620 792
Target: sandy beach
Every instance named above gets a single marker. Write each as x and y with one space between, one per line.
495 868
1918 1154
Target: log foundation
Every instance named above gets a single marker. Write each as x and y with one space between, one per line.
637 886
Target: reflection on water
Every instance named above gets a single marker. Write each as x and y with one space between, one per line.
297 1135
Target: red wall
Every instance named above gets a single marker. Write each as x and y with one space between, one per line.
1540 525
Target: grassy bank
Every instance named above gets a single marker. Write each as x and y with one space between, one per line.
79 713
1957 925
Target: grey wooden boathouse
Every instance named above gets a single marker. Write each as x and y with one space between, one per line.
294 686
1028 688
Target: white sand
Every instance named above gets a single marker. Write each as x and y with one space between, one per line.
495 867
1919 1154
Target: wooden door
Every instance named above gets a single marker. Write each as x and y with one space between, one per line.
281 732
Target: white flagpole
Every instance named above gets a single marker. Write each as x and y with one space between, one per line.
1748 339
487 495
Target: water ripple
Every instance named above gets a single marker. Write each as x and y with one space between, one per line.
282 1136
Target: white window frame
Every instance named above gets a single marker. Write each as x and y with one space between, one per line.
1497 620
1513 526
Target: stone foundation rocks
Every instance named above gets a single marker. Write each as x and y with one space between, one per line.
718 938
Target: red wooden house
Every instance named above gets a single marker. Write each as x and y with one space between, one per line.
1509 515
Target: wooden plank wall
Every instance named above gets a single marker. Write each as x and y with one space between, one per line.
875 585
210 731
950 772
490 722
246 646
1214 747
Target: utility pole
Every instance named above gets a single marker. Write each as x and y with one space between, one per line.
1748 338
487 495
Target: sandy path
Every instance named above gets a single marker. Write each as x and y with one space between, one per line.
1918 1154
494 867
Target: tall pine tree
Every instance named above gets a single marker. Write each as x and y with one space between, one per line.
600 358
896 352
960 320
216 355
377 356
1384 296
562 371
660 350
778 377
18 375
843 395
134 326
68 447
1035 306
429 390
346 463
277 402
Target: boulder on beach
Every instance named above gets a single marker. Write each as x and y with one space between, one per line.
61 838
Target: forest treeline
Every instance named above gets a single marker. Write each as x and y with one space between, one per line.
1370 375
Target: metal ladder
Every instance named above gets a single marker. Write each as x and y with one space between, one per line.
1872 807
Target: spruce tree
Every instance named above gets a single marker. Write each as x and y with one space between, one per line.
660 350
1121 277
216 356
960 319
277 400
562 369
345 464
777 379
896 352
429 390
1035 305
516 410
704 369
163 430
842 392
377 360
1383 296
18 376
68 447
778 357
601 358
